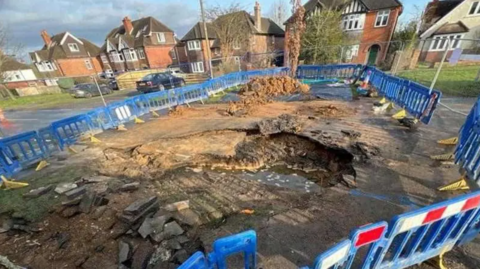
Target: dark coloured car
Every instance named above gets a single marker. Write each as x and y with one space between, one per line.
159 82
112 84
88 90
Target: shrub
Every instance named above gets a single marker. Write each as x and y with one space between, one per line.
65 83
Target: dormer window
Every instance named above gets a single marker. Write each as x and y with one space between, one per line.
73 47
161 37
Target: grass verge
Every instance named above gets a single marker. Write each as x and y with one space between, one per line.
452 81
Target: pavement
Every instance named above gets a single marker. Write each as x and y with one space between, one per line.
29 119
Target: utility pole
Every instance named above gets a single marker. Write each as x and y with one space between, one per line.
207 41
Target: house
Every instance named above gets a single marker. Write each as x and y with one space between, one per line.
370 22
17 75
264 37
140 44
66 55
454 20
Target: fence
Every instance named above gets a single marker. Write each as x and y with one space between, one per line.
409 239
20 151
467 153
416 99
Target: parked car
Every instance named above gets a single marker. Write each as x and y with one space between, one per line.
88 90
159 82
107 74
176 72
113 85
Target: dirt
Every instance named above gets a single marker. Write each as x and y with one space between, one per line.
329 111
177 111
262 90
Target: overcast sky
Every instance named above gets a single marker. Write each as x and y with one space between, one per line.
93 19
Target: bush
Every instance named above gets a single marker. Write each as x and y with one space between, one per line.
65 83
80 80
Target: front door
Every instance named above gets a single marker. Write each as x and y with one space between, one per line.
372 55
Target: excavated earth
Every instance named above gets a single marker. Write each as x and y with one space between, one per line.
301 174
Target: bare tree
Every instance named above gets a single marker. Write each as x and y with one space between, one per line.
231 27
8 53
296 30
278 12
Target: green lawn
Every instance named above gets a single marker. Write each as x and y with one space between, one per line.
453 80
48 101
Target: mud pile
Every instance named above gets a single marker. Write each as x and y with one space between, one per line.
177 111
260 91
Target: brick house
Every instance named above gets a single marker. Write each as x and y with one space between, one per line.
265 37
140 44
17 75
370 22
454 20
66 55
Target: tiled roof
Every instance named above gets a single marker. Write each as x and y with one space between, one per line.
54 51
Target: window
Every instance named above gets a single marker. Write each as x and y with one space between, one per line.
273 40
193 45
236 45
73 47
237 59
440 43
141 54
216 51
174 55
138 34
197 67
127 55
48 66
133 55
88 64
104 58
352 51
116 57
382 18
161 37
475 9
353 22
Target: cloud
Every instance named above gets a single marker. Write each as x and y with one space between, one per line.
90 19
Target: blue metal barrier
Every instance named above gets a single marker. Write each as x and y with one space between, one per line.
416 99
409 239
69 130
467 152
345 71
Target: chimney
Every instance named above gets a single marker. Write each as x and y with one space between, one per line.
258 16
46 38
127 24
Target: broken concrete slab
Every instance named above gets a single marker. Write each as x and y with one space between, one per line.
74 193
87 202
96 179
73 202
123 252
140 209
38 192
154 225
182 239
187 216
130 187
65 187
172 229
174 244
284 123
138 206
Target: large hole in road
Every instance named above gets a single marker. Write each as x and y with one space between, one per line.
283 160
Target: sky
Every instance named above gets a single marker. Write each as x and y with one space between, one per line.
93 19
